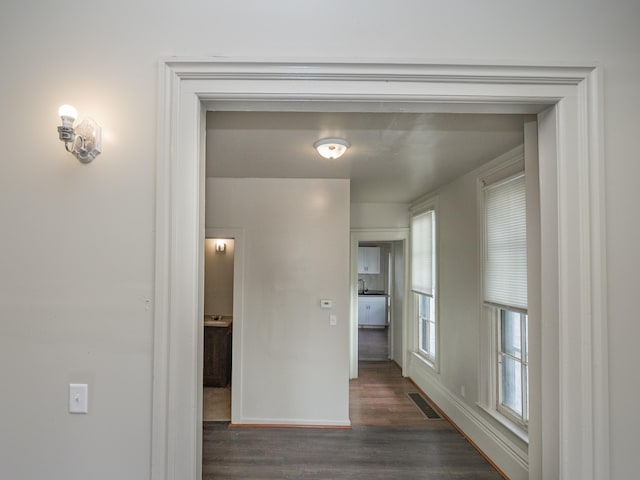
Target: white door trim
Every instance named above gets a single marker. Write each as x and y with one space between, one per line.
189 87
374 235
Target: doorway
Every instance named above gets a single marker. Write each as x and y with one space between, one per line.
388 286
218 328
225 289
375 294
567 100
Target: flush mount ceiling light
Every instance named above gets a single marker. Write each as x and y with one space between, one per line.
85 139
331 148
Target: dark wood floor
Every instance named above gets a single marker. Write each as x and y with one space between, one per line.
390 439
378 397
373 344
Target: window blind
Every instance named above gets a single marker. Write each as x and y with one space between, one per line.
422 253
505 255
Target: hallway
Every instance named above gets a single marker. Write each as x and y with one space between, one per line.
389 439
379 397
373 344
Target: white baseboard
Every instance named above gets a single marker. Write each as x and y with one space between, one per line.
506 454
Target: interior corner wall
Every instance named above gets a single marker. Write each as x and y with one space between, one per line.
295 366
397 262
379 215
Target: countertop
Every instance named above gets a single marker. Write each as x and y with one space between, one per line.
373 293
221 320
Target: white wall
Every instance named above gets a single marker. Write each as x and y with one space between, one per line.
295 367
77 256
459 322
379 215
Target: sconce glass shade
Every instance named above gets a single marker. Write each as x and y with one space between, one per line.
331 148
220 246
68 114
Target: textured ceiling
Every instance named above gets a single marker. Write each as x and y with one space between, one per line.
394 157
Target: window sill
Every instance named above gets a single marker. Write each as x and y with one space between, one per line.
426 361
508 424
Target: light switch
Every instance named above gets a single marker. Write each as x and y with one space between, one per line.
78 398
333 320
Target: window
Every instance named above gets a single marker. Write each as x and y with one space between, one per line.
505 252
505 295
427 325
513 366
423 282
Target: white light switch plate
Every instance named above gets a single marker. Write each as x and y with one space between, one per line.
333 320
78 398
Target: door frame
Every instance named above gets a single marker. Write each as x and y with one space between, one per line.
575 298
374 235
237 234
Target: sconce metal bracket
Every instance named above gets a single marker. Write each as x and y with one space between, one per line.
87 143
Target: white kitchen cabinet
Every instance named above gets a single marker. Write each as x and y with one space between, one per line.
369 260
372 311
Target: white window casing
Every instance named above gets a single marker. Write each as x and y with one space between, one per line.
423 260
504 273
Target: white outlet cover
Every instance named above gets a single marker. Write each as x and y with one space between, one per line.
78 398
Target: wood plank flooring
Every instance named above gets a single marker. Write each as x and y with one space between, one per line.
378 397
216 404
373 344
390 439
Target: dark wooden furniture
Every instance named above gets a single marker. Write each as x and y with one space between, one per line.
217 356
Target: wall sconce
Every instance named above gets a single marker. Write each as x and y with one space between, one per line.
331 148
85 139
220 246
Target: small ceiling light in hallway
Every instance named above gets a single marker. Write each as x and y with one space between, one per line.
331 148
